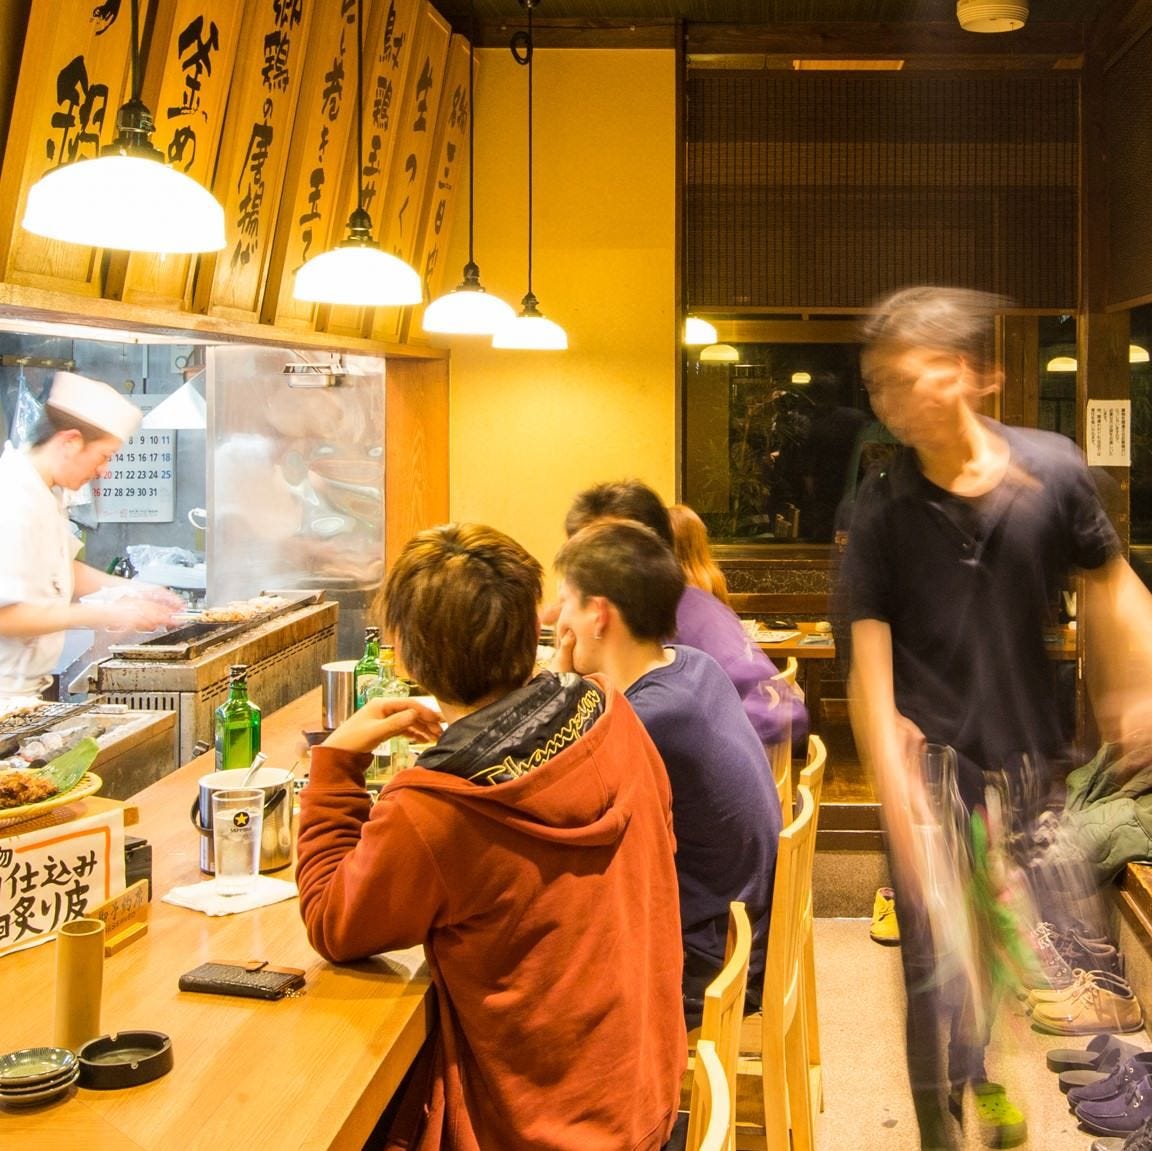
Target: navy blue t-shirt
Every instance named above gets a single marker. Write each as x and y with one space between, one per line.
968 588
725 810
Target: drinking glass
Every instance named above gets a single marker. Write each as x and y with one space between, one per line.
237 823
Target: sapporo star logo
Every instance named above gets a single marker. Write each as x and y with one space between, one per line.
241 819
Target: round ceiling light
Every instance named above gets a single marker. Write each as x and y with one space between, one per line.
991 15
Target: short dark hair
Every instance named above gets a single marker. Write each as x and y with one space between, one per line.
632 567
461 604
621 500
957 320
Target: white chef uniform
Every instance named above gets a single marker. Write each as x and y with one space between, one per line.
35 567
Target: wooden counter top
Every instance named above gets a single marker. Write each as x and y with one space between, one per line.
310 1074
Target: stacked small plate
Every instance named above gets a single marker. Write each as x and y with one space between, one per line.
36 1075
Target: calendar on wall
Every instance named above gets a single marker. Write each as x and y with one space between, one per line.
141 483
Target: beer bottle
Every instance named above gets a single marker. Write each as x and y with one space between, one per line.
237 723
369 673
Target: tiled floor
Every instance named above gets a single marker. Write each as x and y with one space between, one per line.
867 1104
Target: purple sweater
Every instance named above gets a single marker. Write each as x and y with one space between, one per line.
703 622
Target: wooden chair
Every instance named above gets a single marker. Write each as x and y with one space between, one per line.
812 777
773 1090
710 1112
780 756
787 674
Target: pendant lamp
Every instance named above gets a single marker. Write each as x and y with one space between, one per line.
698 331
530 330
468 310
358 271
127 197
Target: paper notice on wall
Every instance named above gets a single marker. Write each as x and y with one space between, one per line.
55 874
1109 433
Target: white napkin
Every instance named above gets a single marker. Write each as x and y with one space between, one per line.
204 896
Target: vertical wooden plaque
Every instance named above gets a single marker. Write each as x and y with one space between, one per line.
254 153
450 156
324 128
73 79
193 54
411 165
389 48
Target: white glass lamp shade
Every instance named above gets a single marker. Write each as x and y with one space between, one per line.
531 332
719 354
132 203
359 274
467 310
698 331
1137 354
1061 364
992 15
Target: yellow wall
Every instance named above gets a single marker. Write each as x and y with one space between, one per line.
530 429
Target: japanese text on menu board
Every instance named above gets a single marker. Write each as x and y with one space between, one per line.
141 483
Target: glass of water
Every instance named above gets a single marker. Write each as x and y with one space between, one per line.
237 823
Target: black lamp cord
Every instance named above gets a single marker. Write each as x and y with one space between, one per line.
522 46
471 131
135 56
359 105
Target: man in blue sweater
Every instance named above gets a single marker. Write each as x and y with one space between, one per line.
620 584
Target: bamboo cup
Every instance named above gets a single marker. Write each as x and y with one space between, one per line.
79 981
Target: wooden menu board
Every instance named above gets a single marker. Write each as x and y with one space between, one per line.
410 170
254 153
389 48
73 79
194 49
450 155
321 135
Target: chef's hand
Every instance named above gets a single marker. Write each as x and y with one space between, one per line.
136 614
157 594
380 719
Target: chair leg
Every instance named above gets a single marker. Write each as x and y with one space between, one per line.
799 1094
811 1022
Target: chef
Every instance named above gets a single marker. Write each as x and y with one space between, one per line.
85 423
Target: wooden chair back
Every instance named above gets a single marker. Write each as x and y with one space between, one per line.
780 756
787 674
710 1112
812 777
770 1105
724 998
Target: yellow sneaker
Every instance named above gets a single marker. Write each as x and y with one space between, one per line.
885 929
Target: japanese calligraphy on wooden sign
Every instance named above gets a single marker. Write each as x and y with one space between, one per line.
450 160
1109 433
73 79
410 169
55 874
254 151
389 47
323 129
193 54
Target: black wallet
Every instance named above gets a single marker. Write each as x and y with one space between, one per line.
253 980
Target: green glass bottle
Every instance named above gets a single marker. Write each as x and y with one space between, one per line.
369 673
237 724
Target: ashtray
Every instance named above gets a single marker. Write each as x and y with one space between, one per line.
124 1059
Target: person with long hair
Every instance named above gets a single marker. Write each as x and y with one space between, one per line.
690 543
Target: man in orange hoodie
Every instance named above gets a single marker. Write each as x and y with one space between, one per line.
530 851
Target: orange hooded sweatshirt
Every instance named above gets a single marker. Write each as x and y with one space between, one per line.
547 906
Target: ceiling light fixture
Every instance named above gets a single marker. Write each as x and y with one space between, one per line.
992 15
1137 354
1061 364
698 331
719 354
530 330
127 197
358 272
468 310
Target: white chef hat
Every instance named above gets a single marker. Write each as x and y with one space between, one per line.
94 403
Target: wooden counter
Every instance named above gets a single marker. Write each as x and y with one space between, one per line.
311 1073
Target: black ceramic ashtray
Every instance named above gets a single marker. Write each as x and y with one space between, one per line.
126 1059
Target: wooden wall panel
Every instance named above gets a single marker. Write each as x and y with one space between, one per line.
254 153
415 450
411 168
73 78
448 173
323 130
390 45
186 86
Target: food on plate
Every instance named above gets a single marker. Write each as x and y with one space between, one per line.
19 787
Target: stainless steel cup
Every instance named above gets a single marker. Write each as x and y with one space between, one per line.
338 691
